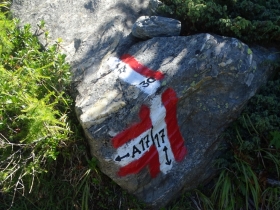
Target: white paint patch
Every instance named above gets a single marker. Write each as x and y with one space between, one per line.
158 113
157 136
127 74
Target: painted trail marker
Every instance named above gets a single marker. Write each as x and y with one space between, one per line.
131 71
154 142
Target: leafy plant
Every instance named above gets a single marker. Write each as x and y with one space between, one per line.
44 160
249 20
275 139
6 26
33 108
236 187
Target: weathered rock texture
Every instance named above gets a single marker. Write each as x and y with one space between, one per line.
153 115
152 111
147 27
154 8
90 29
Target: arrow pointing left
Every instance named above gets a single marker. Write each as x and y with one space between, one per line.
119 158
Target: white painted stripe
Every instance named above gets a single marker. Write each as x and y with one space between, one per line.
127 74
128 148
157 115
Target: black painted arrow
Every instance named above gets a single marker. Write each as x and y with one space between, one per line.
120 158
168 162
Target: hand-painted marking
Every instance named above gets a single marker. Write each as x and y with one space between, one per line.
154 142
168 161
155 139
135 130
131 71
141 69
120 158
149 159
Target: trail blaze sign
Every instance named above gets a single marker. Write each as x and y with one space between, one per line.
154 142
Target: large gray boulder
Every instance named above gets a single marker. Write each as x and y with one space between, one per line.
154 114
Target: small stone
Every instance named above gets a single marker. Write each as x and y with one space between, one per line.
147 27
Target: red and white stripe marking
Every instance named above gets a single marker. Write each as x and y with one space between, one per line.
156 140
131 71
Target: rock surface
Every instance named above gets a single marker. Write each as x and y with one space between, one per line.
153 110
90 29
154 118
147 27
154 8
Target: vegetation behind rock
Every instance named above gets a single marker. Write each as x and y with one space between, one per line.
250 21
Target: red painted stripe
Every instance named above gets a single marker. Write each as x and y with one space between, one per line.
169 100
135 130
150 159
141 69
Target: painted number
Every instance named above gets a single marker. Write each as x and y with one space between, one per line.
147 82
120 70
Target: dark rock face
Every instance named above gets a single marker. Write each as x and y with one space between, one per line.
153 110
90 29
154 118
147 27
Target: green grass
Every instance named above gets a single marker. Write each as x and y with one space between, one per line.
45 162
34 107
44 159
